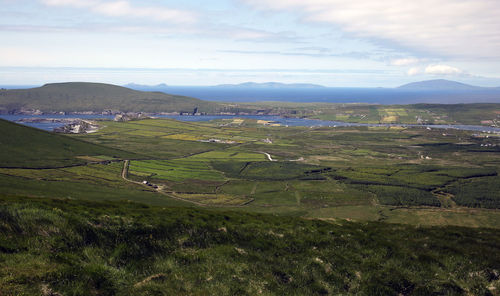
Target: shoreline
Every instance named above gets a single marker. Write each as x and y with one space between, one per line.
283 120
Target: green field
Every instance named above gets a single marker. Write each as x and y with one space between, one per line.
316 168
474 114
348 210
175 170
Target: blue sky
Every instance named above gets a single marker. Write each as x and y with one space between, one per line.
192 42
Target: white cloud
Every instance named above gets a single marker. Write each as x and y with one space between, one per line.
436 69
405 62
414 71
442 70
466 28
125 9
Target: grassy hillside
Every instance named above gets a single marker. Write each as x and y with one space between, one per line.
24 146
68 247
81 96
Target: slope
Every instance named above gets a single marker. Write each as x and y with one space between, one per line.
24 146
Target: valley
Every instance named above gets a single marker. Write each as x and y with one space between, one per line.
372 173
234 206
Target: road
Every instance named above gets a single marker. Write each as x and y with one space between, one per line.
269 156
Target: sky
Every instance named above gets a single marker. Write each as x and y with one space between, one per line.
338 43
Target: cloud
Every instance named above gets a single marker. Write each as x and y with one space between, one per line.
75 3
459 28
438 70
414 71
249 34
125 9
442 70
405 62
304 52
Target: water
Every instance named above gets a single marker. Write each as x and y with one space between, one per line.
385 96
281 120
332 94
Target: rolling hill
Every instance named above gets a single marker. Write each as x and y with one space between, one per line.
24 146
83 96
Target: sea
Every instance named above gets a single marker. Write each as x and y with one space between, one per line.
384 96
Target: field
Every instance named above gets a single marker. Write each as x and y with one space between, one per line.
314 169
257 209
385 174
473 114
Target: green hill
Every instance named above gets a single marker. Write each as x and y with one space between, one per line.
83 96
24 146
70 247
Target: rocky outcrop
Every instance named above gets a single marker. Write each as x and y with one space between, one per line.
78 127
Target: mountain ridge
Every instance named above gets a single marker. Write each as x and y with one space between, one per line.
97 97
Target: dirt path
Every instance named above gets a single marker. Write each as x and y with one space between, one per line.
126 164
125 173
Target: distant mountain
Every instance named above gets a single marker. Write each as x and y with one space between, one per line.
84 96
270 85
439 84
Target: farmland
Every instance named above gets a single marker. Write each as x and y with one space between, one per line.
240 207
317 170
474 114
386 174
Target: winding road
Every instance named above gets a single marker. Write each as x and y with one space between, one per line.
269 156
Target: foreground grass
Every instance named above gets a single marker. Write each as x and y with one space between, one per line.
50 246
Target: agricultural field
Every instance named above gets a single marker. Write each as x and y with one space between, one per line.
175 170
132 209
319 172
473 114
